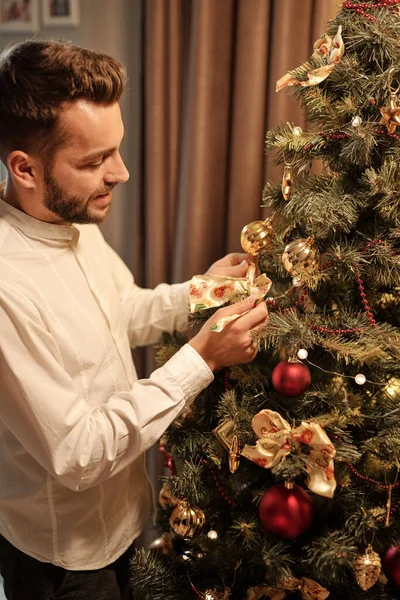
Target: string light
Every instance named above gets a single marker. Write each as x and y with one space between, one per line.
346 376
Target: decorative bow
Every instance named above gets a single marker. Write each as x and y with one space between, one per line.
309 590
276 438
208 291
324 47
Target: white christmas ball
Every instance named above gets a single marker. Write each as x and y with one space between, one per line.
302 353
212 534
360 379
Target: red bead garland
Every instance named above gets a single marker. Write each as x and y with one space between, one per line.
364 298
384 486
302 297
226 381
361 7
217 483
168 460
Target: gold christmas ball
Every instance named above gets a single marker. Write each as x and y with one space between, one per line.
300 256
162 544
367 568
186 520
256 235
392 389
166 498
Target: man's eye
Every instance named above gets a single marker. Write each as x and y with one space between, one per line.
94 165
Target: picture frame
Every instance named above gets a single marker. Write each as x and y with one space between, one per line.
60 13
19 16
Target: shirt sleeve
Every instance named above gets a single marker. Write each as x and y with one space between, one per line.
147 312
78 444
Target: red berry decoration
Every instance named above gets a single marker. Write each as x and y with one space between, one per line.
291 378
391 565
286 510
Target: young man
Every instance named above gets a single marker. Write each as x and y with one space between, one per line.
74 420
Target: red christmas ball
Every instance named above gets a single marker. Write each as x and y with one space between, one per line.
391 565
287 512
291 378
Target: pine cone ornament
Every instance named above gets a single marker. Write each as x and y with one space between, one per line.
367 568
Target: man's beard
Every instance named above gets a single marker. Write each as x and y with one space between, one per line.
73 209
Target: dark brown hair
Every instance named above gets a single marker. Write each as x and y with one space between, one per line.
37 77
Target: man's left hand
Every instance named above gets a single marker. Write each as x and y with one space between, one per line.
232 265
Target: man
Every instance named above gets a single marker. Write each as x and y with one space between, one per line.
74 420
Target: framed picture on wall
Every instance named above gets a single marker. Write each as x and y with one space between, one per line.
60 13
19 16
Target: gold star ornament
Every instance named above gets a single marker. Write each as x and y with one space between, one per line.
391 114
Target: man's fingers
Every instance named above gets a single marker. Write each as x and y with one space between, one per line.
237 307
255 318
235 258
236 271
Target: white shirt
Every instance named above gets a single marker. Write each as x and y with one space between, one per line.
74 420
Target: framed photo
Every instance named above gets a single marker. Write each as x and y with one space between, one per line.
60 13
19 16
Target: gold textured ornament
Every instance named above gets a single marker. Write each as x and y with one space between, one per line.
256 235
391 114
214 595
162 545
300 256
392 389
166 498
367 568
186 520
224 433
287 182
234 459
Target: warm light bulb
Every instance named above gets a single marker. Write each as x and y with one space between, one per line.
360 379
302 353
356 122
212 534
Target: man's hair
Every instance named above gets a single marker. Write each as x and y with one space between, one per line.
38 78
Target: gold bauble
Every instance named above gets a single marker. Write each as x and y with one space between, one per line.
392 389
300 256
367 568
186 520
162 544
256 235
166 498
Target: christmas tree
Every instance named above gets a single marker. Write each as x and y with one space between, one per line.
284 472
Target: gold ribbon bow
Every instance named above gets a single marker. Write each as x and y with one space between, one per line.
207 291
309 590
324 47
275 442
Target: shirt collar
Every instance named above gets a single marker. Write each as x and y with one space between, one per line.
34 227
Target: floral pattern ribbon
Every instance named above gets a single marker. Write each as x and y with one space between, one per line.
326 48
309 590
207 291
276 440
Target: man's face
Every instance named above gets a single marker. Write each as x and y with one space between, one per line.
78 186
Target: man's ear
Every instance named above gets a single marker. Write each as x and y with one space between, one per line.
23 168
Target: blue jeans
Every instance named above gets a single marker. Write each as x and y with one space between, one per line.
26 578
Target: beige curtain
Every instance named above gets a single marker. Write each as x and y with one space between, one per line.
209 75
210 68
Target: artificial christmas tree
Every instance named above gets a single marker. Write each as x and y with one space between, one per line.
286 481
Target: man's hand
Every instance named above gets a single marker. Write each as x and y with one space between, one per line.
234 344
232 265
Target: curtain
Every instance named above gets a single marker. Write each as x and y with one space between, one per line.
209 74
